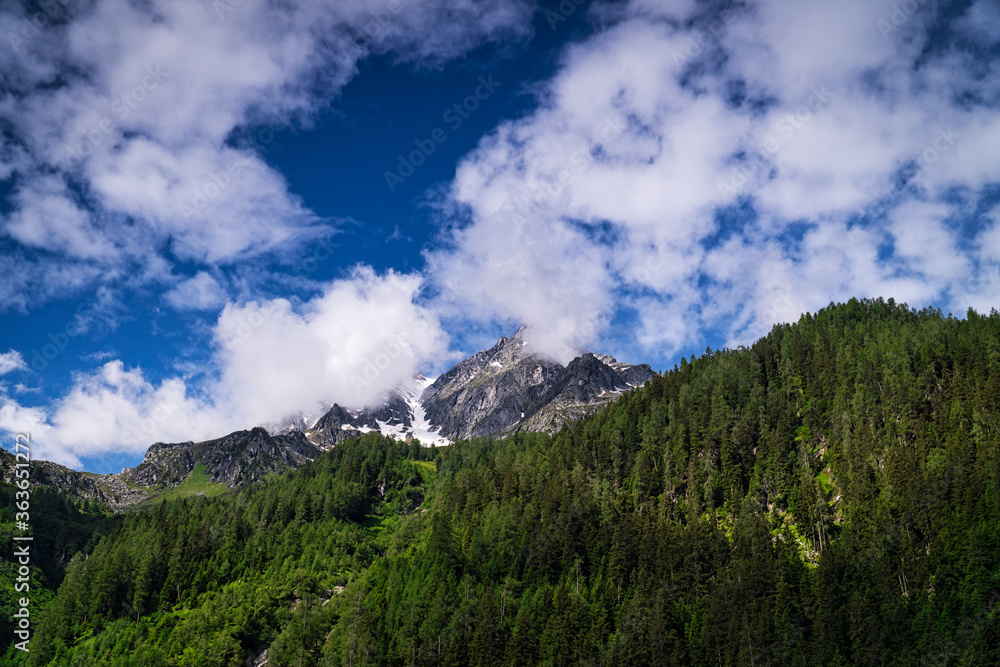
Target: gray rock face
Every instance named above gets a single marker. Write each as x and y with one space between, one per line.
499 390
334 427
164 465
237 459
489 391
339 423
395 411
495 391
506 388
589 382
111 490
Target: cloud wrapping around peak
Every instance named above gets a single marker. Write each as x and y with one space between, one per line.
350 345
769 158
270 361
691 169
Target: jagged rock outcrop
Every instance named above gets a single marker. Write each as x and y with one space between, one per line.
334 427
395 411
489 391
110 490
237 459
507 388
165 464
399 414
496 391
588 382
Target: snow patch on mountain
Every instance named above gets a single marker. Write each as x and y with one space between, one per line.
422 429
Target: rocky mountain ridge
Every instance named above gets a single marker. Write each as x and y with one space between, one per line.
496 391
237 459
507 388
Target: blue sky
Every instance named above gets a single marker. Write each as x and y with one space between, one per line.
216 215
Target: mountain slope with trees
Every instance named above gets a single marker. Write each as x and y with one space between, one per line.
828 495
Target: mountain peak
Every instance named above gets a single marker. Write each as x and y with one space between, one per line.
498 390
508 387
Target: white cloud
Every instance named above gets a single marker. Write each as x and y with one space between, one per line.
11 361
989 236
363 335
47 217
200 292
925 244
113 409
119 114
982 289
794 119
541 272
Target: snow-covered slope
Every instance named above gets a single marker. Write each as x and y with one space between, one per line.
399 415
419 428
499 390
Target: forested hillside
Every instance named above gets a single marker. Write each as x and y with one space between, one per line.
61 528
830 495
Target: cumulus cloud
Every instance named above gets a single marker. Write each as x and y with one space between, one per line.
200 292
699 167
133 143
766 158
350 345
11 361
496 271
126 122
113 409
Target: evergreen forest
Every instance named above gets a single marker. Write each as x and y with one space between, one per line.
829 495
